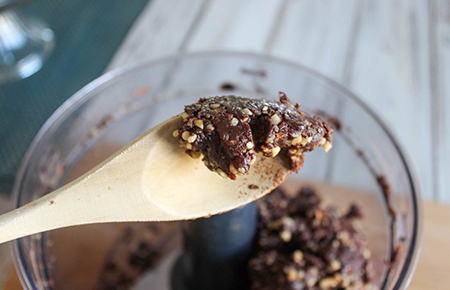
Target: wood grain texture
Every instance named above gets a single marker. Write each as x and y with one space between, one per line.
433 266
317 34
235 25
440 67
380 49
150 179
160 30
390 72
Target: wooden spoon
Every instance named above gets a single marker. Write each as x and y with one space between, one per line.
151 179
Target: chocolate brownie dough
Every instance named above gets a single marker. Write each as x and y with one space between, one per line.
301 245
226 131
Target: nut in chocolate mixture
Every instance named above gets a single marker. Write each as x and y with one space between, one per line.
226 131
300 245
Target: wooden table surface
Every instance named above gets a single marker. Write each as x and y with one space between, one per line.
394 54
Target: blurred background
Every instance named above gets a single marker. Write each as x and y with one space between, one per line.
394 54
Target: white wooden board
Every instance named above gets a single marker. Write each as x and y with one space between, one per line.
441 113
382 50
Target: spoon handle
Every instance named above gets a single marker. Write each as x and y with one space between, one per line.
113 191
94 198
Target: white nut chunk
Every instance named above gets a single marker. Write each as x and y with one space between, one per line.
199 123
247 111
234 122
327 146
185 116
275 119
297 140
185 135
275 151
214 106
192 138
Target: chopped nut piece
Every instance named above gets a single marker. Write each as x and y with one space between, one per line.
306 141
288 221
221 173
292 151
318 214
210 127
233 169
214 106
191 138
185 116
175 133
199 123
297 256
265 110
291 274
276 129
188 146
335 244
270 139
367 254
249 145
301 274
344 237
286 236
196 155
275 119
327 283
234 122
247 111
297 140
327 146
335 265
185 135
275 151
241 169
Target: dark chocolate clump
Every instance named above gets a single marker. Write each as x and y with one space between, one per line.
226 131
303 246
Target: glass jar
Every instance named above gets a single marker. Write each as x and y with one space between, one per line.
120 105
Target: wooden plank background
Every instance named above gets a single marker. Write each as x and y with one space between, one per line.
394 54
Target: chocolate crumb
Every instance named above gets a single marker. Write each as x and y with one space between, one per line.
332 120
253 186
228 87
395 254
354 212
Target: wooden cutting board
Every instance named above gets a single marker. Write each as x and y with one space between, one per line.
434 262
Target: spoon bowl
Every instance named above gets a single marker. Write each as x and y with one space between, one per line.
151 179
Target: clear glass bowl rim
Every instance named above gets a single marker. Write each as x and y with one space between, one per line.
84 93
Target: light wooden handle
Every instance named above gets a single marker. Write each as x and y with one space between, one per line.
151 179
94 198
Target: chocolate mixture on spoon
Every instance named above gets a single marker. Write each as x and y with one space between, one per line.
226 131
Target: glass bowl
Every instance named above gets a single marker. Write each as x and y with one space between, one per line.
120 105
